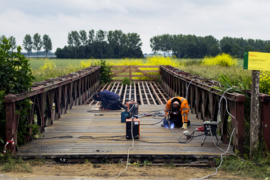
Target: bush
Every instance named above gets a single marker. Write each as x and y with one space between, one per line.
126 81
15 77
224 60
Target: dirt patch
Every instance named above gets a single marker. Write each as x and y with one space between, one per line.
111 170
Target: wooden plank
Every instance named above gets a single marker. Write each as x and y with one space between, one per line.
120 93
115 91
116 71
160 92
142 103
151 85
150 93
124 97
130 90
135 96
134 75
119 67
147 66
130 73
120 71
113 87
138 70
145 94
152 71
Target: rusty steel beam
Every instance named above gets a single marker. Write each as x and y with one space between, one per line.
150 93
139 87
155 93
145 94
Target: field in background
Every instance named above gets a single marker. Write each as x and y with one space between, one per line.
35 64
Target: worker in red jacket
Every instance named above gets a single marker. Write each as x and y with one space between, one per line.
176 112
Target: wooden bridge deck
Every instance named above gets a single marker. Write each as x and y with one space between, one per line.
81 134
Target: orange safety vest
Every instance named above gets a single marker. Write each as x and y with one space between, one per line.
184 108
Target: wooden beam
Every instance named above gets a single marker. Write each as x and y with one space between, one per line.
115 91
120 71
124 97
142 103
145 94
150 93
160 92
148 75
155 93
130 90
135 96
113 87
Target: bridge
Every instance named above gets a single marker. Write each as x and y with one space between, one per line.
72 129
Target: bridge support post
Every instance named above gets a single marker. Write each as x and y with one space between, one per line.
11 124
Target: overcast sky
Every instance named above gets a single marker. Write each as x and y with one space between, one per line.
234 18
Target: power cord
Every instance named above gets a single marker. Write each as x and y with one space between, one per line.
128 150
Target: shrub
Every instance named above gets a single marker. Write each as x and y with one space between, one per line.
126 81
224 60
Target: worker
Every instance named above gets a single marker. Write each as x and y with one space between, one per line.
109 100
176 113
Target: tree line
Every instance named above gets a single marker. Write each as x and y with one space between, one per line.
30 43
191 46
101 44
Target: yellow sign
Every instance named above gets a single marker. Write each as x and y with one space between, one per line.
257 61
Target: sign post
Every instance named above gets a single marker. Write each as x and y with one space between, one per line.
255 61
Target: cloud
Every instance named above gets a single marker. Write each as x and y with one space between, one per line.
235 18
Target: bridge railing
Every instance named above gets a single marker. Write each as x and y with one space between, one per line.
50 99
204 102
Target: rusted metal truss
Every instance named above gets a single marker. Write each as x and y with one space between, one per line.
204 102
143 92
50 99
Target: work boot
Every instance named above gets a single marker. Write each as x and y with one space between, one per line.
185 126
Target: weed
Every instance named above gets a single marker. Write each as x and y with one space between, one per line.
126 81
14 164
147 163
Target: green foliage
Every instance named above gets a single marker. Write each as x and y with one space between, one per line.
147 163
13 164
214 50
47 43
105 71
2 121
126 81
15 77
28 43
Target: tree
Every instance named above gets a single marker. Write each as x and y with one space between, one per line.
100 37
214 50
47 43
37 44
248 48
226 48
12 41
28 43
203 50
14 80
83 38
237 50
134 42
192 50
76 41
2 38
267 47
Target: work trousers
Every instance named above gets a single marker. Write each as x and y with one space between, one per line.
177 120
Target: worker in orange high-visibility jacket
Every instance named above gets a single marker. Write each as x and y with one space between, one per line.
176 110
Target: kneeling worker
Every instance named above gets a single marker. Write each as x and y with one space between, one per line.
176 111
109 100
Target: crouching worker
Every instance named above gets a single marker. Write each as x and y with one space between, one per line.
176 113
109 100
